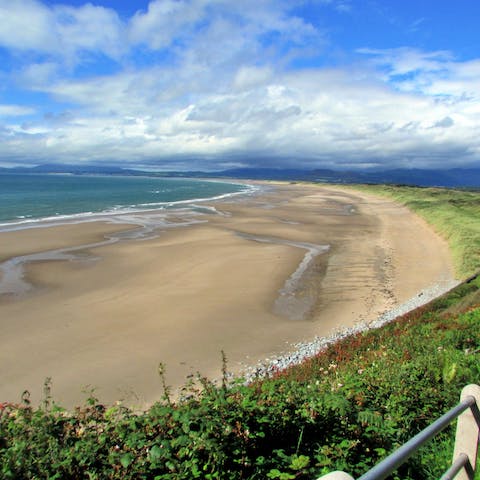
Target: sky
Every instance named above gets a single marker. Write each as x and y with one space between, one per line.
217 84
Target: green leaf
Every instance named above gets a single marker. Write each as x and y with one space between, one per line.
275 473
109 412
300 462
126 460
155 453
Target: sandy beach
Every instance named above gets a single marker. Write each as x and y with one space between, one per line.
263 272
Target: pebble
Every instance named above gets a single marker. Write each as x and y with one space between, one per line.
304 350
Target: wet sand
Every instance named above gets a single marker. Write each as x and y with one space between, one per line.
264 272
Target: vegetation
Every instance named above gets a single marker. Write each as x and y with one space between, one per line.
455 214
344 409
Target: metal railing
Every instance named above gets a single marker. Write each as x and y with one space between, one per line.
466 443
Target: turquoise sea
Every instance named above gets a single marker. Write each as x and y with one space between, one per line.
26 199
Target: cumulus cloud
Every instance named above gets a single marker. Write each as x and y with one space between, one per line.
165 21
27 25
90 28
60 31
219 90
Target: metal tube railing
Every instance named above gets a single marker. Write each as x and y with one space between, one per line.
462 462
466 442
397 458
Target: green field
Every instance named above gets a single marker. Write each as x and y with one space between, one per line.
345 409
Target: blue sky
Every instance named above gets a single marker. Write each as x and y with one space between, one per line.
214 84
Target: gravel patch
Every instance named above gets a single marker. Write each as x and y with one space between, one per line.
299 352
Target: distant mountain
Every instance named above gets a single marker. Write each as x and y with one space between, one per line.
425 178
73 169
456 177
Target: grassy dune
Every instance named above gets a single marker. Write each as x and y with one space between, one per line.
344 409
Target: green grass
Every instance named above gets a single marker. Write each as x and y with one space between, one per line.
455 215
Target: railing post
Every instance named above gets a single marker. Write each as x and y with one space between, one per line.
466 438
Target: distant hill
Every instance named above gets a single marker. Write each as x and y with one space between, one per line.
73 169
425 178
456 177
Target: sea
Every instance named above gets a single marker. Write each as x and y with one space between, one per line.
29 199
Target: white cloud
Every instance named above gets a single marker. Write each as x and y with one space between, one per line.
247 77
15 110
403 61
90 28
36 75
60 31
428 73
164 21
327 117
27 25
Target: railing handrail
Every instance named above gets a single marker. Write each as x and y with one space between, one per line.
465 452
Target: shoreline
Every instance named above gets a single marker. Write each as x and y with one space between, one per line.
110 215
181 295
303 350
